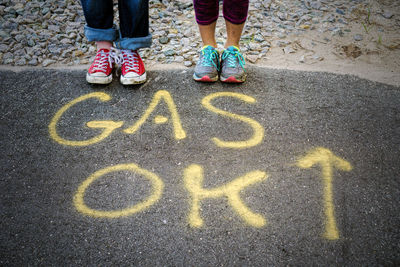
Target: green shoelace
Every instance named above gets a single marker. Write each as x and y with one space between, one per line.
209 56
233 56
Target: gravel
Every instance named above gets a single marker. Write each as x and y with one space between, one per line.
47 32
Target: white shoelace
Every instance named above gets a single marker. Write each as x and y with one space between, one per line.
107 58
128 57
116 56
131 60
102 61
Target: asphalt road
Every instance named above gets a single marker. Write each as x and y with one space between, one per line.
290 168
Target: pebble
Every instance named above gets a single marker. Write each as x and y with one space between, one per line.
52 31
387 14
179 59
48 62
163 40
252 58
288 50
340 11
33 62
3 47
169 52
358 37
20 62
282 43
318 58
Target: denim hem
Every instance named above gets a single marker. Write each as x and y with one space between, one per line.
134 43
93 34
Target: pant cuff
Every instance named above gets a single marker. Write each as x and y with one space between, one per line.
93 34
134 43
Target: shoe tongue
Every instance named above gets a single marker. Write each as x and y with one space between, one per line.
233 48
208 47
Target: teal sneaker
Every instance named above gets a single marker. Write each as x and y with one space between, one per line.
207 67
232 66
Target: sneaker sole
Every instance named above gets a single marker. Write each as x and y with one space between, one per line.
205 78
135 80
98 80
232 79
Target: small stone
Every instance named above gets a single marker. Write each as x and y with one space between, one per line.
282 43
45 10
259 38
78 53
315 5
288 50
254 46
163 40
54 28
4 34
318 58
21 62
8 58
331 18
33 62
302 59
387 14
66 41
3 47
169 52
179 59
340 11
252 58
281 16
92 50
54 49
358 37
187 63
31 42
48 62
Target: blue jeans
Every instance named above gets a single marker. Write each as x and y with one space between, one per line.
134 22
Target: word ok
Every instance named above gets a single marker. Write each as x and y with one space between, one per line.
193 180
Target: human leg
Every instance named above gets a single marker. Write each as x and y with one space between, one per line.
99 28
232 61
99 21
207 67
233 32
134 34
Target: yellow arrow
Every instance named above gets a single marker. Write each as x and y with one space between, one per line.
328 161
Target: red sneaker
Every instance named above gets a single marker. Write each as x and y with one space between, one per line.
132 69
100 72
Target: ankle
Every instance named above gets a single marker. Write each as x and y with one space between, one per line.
103 45
210 44
231 44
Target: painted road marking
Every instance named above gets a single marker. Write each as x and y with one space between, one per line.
328 161
193 175
193 179
179 133
108 126
157 183
258 130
